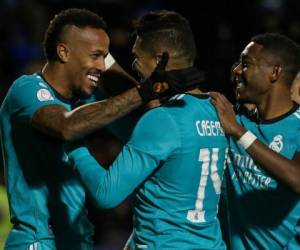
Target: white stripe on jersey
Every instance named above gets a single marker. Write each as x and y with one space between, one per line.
297 114
33 246
177 97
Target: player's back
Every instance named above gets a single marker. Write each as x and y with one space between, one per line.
176 206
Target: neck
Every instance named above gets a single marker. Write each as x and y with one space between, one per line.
275 105
56 76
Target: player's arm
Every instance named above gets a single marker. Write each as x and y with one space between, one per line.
149 145
69 125
284 169
57 121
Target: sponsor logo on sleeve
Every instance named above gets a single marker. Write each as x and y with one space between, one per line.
44 95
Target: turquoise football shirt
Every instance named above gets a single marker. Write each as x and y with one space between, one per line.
173 163
46 199
264 213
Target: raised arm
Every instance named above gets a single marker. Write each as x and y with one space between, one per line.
69 125
284 169
57 121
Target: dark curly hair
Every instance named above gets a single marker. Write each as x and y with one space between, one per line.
167 30
78 17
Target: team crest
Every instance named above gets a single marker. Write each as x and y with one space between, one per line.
277 143
44 95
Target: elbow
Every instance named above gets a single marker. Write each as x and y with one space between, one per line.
107 201
295 184
107 204
68 134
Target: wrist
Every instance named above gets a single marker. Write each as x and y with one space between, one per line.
108 61
246 140
237 131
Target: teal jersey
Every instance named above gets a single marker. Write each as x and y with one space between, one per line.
46 199
174 162
263 212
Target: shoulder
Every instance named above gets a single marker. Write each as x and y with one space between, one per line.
291 120
31 86
156 133
29 93
27 81
188 107
296 114
156 117
28 85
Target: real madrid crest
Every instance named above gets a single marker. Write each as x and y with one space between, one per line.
277 143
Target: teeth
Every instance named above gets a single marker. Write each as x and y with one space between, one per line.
240 85
93 78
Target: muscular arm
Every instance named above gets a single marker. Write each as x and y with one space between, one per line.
57 121
282 168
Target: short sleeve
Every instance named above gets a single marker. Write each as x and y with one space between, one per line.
28 95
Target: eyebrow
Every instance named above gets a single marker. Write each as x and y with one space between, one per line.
101 52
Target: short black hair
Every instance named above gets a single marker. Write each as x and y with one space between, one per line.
282 51
167 30
78 17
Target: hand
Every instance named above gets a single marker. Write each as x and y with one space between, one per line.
149 89
226 115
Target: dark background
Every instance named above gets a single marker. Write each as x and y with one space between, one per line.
221 28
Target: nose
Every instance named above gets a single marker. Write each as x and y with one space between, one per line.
100 64
133 65
238 69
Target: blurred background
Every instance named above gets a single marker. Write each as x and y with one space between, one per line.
221 29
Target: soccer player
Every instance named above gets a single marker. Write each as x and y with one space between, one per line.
175 157
264 170
46 199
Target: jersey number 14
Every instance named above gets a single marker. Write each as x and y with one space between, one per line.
209 170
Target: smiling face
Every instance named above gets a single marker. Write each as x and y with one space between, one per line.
251 75
84 51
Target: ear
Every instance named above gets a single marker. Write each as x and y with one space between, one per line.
63 52
276 73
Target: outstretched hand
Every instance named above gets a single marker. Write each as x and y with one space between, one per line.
226 115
